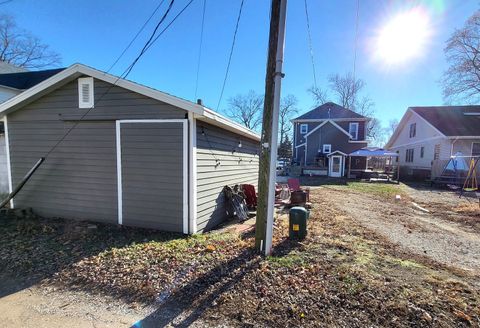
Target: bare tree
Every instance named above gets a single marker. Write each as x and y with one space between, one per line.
319 95
392 126
364 106
375 132
346 88
461 81
346 91
288 107
20 48
246 109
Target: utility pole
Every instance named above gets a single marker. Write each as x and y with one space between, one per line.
269 138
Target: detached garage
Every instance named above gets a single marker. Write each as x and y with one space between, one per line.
123 153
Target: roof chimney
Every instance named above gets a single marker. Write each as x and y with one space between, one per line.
199 102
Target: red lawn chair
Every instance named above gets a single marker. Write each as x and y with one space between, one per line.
250 195
294 185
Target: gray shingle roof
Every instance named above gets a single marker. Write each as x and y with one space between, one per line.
452 120
329 110
26 80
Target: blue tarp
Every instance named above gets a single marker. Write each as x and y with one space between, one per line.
373 152
456 163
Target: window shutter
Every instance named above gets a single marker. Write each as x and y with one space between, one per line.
85 92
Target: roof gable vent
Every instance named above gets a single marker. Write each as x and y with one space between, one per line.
85 92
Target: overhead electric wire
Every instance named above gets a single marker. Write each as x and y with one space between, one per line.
122 76
200 47
355 52
310 45
167 27
151 37
230 56
136 36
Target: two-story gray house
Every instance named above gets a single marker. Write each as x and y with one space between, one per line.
323 138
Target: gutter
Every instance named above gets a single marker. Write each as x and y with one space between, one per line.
463 137
218 120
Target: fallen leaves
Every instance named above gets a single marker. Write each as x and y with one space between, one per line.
340 275
463 316
210 248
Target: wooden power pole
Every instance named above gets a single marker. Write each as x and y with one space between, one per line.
269 138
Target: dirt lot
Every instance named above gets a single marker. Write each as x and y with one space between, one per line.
368 260
443 226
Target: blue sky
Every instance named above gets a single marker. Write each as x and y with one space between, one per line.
95 33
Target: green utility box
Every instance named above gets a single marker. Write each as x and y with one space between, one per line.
298 222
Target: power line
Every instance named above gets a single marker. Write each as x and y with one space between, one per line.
151 37
355 52
230 56
310 45
122 76
168 26
200 48
136 35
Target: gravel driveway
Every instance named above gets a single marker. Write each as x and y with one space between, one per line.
424 233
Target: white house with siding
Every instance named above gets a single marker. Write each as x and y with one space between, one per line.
427 137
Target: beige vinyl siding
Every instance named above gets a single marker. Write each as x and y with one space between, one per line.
79 179
237 166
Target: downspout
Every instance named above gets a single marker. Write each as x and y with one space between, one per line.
453 143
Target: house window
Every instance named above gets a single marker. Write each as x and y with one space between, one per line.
422 152
436 152
303 128
85 92
409 155
327 149
413 130
475 148
398 155
353 130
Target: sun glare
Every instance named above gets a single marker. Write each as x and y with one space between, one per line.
404 37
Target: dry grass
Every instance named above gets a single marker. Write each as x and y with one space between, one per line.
471 209
344 275
383 190
340 275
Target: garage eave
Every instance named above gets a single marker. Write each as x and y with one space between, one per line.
77 70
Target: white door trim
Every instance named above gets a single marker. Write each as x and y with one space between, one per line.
119 173
330 169
7 152
185 165
193 172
